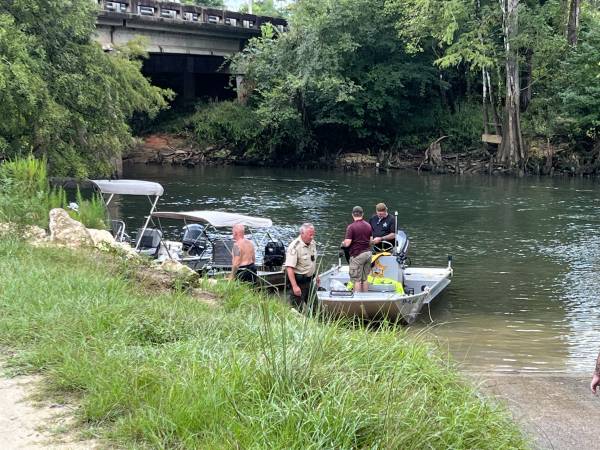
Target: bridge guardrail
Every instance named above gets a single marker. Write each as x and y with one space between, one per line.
177 11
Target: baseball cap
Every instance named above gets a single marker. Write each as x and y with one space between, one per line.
357 211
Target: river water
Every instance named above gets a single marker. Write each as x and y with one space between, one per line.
525 293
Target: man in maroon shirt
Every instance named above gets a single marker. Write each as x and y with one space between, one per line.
358 240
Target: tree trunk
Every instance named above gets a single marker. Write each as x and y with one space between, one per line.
527 79
511 152
573 23
493 104
485 109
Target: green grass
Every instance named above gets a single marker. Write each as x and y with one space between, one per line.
164 370
26 197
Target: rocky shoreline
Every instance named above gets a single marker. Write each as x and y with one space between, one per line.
180 150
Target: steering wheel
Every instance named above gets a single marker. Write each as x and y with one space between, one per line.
386 246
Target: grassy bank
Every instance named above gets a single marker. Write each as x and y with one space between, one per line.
164 370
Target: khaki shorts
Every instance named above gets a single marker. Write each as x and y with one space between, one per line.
360 266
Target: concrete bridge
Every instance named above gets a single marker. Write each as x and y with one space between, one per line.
187 43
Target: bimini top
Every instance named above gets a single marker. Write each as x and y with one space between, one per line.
217 219
129 187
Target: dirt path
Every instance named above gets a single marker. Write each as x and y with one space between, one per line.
557 410
25 424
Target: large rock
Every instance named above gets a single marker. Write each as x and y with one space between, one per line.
172 266
66 231
35 235
104 240
31 233
100 237
126 250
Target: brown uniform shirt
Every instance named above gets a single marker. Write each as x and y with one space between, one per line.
301 257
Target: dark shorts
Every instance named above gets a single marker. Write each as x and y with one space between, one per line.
246 273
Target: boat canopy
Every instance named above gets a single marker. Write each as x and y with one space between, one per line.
217 219
129 187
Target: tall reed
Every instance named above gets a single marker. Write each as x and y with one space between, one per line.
26 196
24 191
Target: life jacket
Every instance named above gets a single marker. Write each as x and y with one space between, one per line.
378 269
398 288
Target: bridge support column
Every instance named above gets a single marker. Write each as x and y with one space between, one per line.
189 82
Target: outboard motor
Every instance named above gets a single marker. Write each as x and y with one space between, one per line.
402 244
193 243
274 254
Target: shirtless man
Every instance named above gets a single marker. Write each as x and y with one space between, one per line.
243 256
596 377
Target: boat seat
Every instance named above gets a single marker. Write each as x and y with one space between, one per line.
148 242
382 288
222 251
389 266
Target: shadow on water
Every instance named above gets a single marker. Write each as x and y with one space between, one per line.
526 253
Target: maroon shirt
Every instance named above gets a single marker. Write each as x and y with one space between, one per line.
360 232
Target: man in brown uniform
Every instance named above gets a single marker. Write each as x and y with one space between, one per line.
596 377
359 236
243 256
301 265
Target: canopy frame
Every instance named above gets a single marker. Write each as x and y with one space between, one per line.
151 190
217 219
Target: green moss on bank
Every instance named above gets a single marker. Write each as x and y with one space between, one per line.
167 371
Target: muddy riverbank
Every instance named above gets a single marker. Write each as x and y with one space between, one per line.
556 410
182 150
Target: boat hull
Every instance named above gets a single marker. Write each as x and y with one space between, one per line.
422 285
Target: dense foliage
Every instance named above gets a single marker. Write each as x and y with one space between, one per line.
396 74
26 197
210 3
270 8
61 96
339 79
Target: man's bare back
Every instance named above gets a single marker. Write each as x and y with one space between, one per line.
245 250
242 256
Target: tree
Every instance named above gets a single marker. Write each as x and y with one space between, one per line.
209 3
265 8
573 22
512 150
61 96
339 78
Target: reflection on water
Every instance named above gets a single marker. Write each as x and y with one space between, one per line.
526 252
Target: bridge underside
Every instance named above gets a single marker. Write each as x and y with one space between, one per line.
191 77
160 36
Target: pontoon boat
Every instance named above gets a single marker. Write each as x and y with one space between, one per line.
206 249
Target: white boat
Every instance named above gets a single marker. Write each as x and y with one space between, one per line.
207 250
396 292
202 248
147 240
